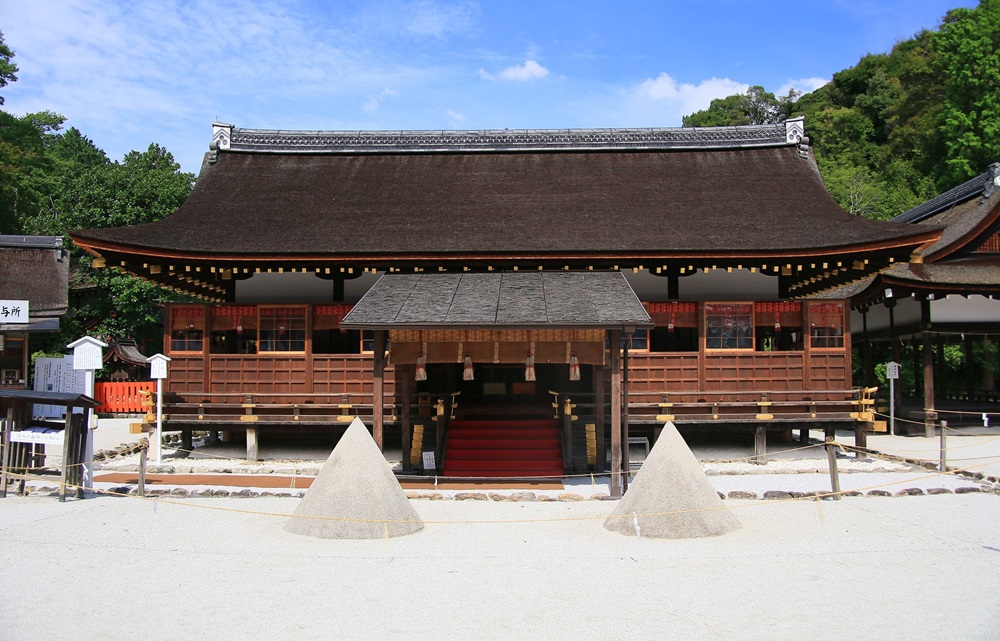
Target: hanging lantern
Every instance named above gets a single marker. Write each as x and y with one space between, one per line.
529 368
468 373
777 322
574 368
239 329
421 369
670 323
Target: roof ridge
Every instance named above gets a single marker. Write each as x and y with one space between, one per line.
981 184
232 138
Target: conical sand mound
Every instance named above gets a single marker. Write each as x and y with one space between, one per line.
355 495
672 490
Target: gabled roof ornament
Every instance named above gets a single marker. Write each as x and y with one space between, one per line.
992 186
795 129
222 135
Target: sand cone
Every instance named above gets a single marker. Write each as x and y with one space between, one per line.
355 495
673 492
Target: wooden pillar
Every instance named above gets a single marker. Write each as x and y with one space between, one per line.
760 445
404 378
625 449
930 416
970 381
378 387
67 456
614 341
988 381
602 453
894 348
253 449
567 434
866 350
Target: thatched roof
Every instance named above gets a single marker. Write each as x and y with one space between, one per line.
604 198
36 269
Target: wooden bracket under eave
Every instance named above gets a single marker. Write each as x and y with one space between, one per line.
916 259
98 262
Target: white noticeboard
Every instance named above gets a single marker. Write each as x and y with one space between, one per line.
13 311
429 461
892 370
47 437
158 366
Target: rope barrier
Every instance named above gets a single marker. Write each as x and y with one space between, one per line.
385 522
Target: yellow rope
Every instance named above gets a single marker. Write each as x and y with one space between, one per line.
385 522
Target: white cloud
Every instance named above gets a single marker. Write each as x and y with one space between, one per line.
436 19
802 85
455 118
373 102
662 101
530 70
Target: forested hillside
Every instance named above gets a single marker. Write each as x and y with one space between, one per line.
898 127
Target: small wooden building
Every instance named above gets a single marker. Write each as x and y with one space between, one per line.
417 277
34 295
948 293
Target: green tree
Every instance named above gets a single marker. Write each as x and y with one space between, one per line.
8 70
25 166
144 187
968 60
755 107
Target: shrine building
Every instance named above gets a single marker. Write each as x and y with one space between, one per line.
516 302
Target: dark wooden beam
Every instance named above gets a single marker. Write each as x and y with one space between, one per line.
614 340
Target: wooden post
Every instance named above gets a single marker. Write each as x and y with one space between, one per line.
625 448
253 450
602 453
567 434
440 417
831 457
5 430
614 341
866 350
143 454
404 378
760 445
897 391
944 447
861 439
925 334
378 393
67 449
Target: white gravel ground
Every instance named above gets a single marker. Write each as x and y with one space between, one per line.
862 568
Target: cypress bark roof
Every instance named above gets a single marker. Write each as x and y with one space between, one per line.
672 191
36 269
680 200
507 299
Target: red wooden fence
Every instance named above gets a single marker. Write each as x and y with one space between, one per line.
121 398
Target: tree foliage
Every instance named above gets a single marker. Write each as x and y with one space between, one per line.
900 127
8 70
755 107
52 181
968 60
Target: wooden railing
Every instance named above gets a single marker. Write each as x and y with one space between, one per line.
121 398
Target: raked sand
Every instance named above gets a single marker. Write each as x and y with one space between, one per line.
109 568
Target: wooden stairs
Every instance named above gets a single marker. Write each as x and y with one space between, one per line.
503 448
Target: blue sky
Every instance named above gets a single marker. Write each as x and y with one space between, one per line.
128 73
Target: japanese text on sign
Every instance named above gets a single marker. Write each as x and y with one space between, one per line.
13 311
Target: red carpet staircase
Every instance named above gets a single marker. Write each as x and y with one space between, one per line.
503 448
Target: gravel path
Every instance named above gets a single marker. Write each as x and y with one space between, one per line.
861 568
